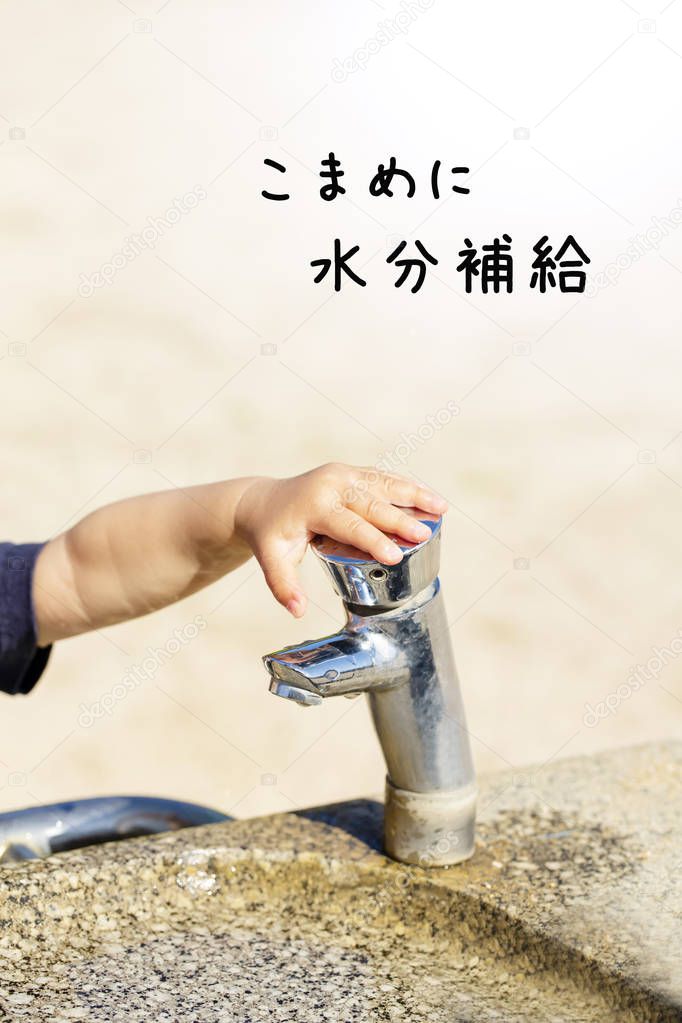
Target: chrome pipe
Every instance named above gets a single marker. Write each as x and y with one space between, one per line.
40 831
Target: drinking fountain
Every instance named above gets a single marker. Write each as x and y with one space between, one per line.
396 648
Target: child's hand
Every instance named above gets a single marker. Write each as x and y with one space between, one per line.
141 554
278 518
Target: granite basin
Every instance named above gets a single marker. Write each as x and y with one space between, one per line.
571 909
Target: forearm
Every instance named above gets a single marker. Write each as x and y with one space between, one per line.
134 557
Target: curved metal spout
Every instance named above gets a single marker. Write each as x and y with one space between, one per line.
40 831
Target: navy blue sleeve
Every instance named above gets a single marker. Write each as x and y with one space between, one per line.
22 661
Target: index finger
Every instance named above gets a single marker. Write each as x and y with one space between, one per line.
407 493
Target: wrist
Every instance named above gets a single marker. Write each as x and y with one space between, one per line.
251 500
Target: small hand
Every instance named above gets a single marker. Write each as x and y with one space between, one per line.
277 518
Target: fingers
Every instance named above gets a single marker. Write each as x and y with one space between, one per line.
280 575
349 527
392 520
407 493
355 506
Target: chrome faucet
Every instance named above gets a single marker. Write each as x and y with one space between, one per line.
396 648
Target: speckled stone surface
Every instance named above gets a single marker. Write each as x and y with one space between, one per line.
571 909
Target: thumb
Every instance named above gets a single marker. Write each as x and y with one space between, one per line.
280 575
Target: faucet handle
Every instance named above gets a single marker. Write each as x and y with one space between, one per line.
362 582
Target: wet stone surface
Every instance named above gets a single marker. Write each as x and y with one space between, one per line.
571 909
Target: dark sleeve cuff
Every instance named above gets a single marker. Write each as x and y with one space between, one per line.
22 662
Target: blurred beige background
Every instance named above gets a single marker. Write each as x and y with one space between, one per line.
213 354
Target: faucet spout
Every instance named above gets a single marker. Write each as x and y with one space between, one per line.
344 664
